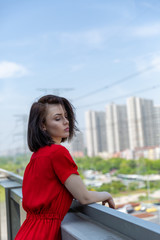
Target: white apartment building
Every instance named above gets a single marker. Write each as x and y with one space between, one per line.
140 122
117 128
77 144
95 132
157 125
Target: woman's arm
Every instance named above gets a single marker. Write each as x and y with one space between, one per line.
76 187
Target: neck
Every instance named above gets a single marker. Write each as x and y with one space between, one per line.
57 140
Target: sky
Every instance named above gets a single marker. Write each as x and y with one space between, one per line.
93 51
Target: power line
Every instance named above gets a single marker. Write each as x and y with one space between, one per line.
124 79
122 96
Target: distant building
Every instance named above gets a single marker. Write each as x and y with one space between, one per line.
76 146
117 128
140 122
157 124
95 132
144 152
134 127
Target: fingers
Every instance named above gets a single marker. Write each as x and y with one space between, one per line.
110 203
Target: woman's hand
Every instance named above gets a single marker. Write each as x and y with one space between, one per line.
110 201
76 187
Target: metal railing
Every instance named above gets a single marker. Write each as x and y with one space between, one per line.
82 222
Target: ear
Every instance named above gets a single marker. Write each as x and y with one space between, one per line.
43 127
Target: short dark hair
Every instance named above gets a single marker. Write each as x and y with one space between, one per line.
36 136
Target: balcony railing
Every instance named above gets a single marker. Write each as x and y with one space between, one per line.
82 222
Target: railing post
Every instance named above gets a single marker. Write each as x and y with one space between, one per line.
12 209
8 213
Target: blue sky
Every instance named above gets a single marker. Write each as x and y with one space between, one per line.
79 45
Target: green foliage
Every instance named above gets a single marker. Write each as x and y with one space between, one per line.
154 185
133 186
114 187
14 164
142 166
143 198
99 164
122 166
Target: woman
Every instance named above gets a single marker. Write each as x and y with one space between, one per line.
51 179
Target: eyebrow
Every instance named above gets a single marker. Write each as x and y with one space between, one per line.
60 114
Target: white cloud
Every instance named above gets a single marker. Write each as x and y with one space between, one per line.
146 4
77 67
11 69
116 60
151 61
93 38
146 31
156 62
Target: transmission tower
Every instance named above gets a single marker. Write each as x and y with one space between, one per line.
56 91
23 119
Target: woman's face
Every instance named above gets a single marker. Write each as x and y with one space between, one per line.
57 124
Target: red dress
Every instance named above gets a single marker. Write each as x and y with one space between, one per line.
45 198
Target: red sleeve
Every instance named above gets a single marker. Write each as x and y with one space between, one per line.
63 164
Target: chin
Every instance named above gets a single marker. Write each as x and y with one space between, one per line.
66 135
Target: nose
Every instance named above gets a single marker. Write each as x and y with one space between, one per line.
66 121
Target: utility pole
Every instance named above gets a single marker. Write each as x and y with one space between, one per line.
148 187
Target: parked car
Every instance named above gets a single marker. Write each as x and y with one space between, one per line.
151 209
142 207
126 209
157 203
145 207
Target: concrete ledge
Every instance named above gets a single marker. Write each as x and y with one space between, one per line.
78 226
126 224
11 176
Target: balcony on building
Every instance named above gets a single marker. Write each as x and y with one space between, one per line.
82 222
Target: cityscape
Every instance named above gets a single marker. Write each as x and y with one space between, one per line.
104 58
130 131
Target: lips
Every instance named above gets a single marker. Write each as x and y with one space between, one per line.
67 129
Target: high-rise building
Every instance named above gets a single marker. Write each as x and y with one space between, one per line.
157 124
76 146
140 122
117 128
95 132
